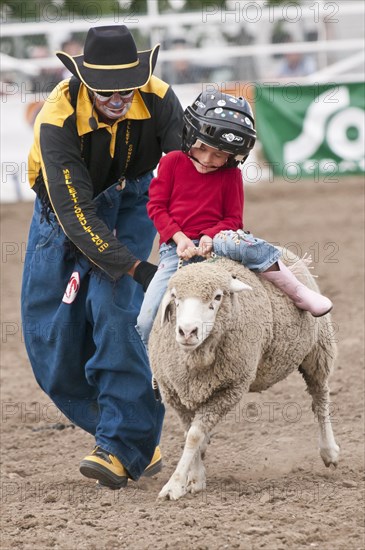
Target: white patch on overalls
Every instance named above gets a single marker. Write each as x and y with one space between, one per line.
72 288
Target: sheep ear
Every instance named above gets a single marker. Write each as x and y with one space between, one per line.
238 286
166 307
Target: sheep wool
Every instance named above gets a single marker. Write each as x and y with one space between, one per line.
257 338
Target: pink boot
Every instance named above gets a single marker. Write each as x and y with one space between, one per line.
302 296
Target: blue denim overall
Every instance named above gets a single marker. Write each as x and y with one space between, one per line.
86 355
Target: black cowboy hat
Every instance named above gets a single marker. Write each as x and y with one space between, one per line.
111 61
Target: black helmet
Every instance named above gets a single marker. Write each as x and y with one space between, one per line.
221 121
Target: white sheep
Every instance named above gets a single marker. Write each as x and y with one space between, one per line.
223 331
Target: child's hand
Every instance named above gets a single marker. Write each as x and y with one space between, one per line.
204 249
190 252
205 246
183 243
186 249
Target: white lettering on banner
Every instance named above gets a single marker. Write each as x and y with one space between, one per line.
314 130
337 138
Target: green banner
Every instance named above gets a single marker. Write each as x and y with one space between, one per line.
310 131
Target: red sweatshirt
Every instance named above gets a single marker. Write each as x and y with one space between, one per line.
182 199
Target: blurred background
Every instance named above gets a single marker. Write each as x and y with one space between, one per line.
299 63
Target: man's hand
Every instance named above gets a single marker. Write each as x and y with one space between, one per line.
143 273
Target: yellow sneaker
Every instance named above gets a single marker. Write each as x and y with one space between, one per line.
155 465
104 467
110 472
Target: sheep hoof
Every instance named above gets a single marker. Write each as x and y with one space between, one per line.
330 456
196 486
172 491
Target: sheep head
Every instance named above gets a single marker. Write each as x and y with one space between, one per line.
197 292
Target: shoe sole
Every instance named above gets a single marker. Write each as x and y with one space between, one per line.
153 470
325 313
106 478
103 475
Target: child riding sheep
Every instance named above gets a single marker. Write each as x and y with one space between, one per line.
196 204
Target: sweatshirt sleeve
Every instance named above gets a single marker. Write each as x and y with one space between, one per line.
233 202
71 192
160 191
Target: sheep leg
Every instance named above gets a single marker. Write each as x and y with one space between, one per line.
196 475
206 417
315 374
177 486
328 448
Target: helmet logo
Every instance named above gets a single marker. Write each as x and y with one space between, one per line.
221 103
200 104
231 137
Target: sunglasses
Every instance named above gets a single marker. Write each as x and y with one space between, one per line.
108 95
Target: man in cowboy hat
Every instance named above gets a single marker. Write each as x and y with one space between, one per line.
96 141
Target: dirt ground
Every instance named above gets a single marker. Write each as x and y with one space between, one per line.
267 486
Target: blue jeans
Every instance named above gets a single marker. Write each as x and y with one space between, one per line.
256 254
86 355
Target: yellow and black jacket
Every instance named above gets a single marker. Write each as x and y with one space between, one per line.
74 163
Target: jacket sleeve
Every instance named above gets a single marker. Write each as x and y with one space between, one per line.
233 200
169 121
160 193
71 192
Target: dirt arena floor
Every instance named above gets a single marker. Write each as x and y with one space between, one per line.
267 486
